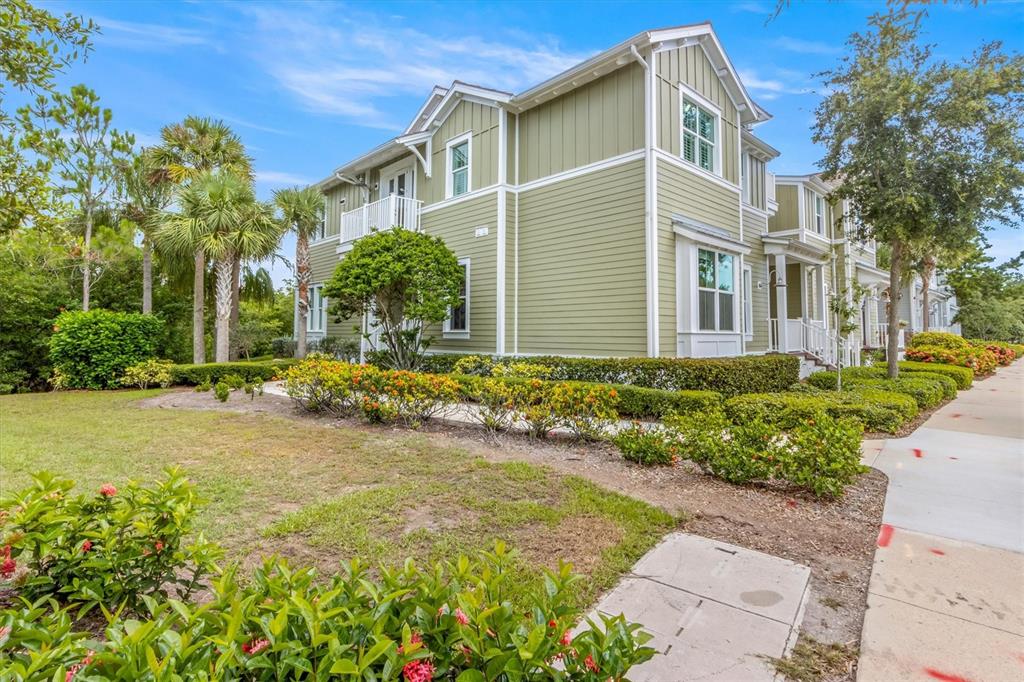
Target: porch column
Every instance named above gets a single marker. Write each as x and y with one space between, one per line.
781 304
805 312
822 303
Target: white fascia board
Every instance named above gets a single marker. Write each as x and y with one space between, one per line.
436 95
459 91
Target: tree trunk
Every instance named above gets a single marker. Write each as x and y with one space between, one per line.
147 275
301 293
223 308
892 346
198 295
86 257
236 292
926 280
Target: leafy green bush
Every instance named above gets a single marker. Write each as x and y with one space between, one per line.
470 365
222 391
92 349
875 410
446 622
499 403
650 444
963 376
979 360
938 340
927 392
142 374
110 548
823 455
1004 352
727 376
588 411
212 372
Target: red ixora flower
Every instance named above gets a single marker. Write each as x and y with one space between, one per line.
107 490
87 545
589 662
73 670
461 617
4 631
566 639
552 623
413 639
255 646
158 546
418 671
9 565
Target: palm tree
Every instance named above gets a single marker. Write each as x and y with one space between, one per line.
188 150
146 191
303 211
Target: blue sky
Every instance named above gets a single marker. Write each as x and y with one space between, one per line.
309 85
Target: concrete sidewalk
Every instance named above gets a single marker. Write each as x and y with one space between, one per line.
946 599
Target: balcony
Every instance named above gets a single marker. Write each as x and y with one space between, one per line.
391 211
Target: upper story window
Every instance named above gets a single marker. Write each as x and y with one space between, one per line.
699 135
459 160
819 213
716 291
321 228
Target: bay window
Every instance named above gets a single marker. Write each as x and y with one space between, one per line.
715 291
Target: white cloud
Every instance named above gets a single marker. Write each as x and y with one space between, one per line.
145 36
750 7
280 178
351 64
801 46
781 82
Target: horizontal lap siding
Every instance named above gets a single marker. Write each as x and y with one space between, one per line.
323 259
690 65
596 121
581 265
686 193
754 226
457 225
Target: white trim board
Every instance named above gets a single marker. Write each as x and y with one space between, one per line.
610 162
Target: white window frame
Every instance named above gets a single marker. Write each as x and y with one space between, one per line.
819 218
450 333
449 171
321 230
736 328
316 318
688 93
747 288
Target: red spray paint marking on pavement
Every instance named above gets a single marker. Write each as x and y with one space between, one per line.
937 552
954 458
955 415
918 452
945 677
884 535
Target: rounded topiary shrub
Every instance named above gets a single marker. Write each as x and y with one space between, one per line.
92 349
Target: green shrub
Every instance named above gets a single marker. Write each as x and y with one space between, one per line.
92 349
963 376
203 387
737 453
234 381
823 456
470 365
444 622
1004 352
109 548
647 444
876 410
938 340
499 403
588 411
212 372
727 376
142 374
980 360
222 391
925 391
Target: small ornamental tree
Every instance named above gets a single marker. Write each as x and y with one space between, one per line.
404 280
846 307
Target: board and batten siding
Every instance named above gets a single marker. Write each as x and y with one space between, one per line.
755 225
691 66
786 218
756 179
596 121
482 120
457 226
334 206
581 265
683 192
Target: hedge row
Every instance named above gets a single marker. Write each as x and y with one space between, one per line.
876 410
212 372
963 376
728 376
633 401
926 391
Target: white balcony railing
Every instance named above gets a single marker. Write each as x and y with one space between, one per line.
391 211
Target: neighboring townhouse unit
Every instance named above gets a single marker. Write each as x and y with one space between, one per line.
617 209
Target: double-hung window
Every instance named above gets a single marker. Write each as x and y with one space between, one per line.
316 319
699 135
458 166
321 228
819 214
457 323
716 291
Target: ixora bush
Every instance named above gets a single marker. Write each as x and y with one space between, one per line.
876 410
1005 352
92 349
110 548
938 340
453 621
927 392
405 280
151 372
819 454
727 376
979 360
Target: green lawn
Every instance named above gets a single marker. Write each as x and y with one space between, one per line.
322 494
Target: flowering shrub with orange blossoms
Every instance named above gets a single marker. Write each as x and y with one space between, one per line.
588 410
980 360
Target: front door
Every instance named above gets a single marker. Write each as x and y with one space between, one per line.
398 184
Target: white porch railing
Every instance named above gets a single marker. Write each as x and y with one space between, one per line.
883 335
812 339
386 213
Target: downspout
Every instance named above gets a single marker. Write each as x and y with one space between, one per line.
650 204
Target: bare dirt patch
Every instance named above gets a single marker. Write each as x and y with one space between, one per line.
580 536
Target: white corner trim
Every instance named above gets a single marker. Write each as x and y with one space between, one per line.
610 162
466 137
502 229
651 206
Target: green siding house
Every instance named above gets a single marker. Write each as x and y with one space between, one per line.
621 208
